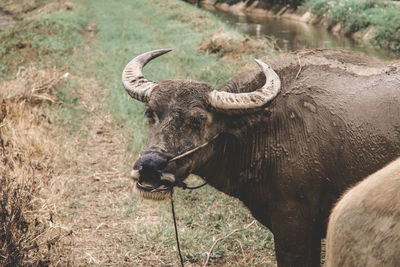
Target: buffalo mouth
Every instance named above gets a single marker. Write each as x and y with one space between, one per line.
152 192
155 187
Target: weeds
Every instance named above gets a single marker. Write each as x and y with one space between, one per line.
387 21
14 200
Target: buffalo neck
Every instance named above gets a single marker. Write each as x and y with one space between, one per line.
237 156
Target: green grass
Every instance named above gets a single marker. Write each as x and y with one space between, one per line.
387 21
356 15
43 39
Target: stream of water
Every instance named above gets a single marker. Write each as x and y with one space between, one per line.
291 35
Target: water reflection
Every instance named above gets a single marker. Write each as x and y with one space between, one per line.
292 35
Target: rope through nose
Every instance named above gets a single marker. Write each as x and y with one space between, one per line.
194 149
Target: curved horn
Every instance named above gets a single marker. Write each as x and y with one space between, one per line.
132 78
240 102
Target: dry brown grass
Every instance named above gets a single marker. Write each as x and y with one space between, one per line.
19 8
29 158
32 86
53 7
226 44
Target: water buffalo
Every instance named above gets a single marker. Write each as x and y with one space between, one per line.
287 140
364 228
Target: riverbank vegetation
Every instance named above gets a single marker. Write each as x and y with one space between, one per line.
354 16
373 21
69 135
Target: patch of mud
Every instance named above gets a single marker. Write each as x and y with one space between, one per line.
6 21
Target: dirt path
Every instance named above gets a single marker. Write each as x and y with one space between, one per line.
98 199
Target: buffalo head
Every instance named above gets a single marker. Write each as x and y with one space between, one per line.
185 118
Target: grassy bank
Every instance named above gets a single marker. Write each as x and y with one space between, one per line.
356 16
85 45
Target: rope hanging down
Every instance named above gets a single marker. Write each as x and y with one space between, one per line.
184 186
176 228
174 217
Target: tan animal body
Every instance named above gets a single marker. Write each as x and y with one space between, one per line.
364 227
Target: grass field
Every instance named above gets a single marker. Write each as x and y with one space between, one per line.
90 131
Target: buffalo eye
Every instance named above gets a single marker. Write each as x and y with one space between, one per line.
195 122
